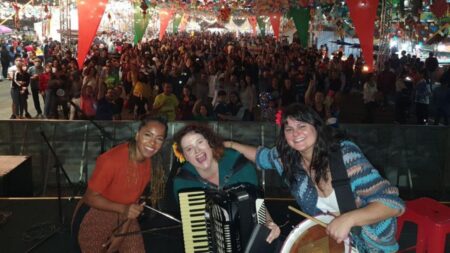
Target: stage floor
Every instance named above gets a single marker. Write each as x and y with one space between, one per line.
34 219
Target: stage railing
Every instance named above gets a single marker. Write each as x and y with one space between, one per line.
417 158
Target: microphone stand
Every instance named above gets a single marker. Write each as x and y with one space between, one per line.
58 170
103 136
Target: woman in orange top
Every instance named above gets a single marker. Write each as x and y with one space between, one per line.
110 204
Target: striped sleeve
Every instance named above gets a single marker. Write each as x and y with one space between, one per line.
366 182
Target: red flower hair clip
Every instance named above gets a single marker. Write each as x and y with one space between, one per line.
278 117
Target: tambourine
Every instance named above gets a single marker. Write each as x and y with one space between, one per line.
309 236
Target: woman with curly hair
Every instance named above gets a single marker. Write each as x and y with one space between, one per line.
211 166
307 155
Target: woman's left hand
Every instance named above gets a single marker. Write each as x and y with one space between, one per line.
274 231
339 228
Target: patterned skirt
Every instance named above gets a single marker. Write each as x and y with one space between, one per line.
91 229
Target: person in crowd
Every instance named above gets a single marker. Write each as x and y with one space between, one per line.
422 98
21 79
139 102
88 103
386 85
106 105
166 103
369 97
319 105
441 99
5 61
15 91
111 202
44 78
402 98
431 65
75 87
186 104
63 87
34 72
200 111
307 155
287 93
211 165
247 93
220 108
140 105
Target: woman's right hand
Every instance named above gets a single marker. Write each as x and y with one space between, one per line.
228 144
133 211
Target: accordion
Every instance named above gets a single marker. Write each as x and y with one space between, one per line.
223 221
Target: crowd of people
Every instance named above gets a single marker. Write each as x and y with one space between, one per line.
221 77
215 77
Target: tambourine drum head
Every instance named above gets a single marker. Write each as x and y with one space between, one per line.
310 237
316 240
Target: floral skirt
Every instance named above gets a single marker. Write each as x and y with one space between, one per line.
91 229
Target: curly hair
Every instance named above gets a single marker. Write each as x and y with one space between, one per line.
214 140
327 140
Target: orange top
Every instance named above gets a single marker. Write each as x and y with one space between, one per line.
117 178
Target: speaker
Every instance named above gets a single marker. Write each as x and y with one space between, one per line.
16 176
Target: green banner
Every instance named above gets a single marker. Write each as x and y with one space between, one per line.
262 25
301 20
140 23
176 22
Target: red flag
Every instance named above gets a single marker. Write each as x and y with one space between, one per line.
439 8
363 14
90 14
253 23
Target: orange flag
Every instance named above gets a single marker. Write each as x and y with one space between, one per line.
164 18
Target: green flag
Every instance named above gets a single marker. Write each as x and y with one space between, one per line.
301 21
140 23
176 22
262 25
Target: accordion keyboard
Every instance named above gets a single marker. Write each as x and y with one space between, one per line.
192 209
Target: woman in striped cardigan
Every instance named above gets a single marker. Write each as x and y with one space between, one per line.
302 157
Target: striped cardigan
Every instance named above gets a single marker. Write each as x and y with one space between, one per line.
367 186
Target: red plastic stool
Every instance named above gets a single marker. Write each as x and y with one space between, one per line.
440 226
433 224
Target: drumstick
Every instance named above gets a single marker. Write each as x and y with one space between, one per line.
295 210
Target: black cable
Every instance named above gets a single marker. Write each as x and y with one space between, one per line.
39 231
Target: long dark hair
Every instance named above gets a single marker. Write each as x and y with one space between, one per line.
157 184
327 140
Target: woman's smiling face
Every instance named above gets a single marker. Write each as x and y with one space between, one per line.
300 136
149 139
197 150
